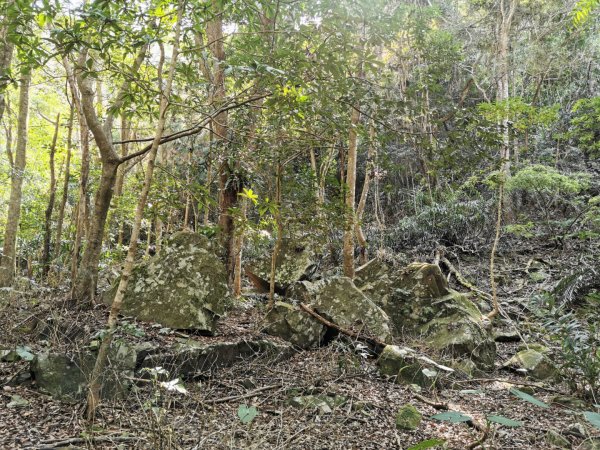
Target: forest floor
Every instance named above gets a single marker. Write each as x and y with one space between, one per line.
207 416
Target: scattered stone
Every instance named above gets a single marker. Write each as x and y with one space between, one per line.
16 401
540 348
408 418
569 401
536 364
507 335
324 403
183 287
410 368
555 439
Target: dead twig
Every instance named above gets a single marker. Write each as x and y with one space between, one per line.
242 396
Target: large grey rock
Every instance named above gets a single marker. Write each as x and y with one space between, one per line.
182 287
408 367
66 377
288 322
340 301
419 302
294 261
191 358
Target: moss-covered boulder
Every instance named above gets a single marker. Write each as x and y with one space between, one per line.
419 302
66 377
457 331
182 287
408 367
408 418
339 300
533 363
288 322
294 261
189 358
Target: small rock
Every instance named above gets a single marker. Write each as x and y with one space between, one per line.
409 367
408 418
569 401
592 443
555 439
535 363
16 401
507 335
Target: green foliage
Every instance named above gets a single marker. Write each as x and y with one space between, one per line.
585 125
247 414
580 342
544 180
501 420
528 398
428 443
593 418
583 9
452 416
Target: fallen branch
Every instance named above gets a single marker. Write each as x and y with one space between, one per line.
378 344
501 380
481 440
463 281
54 443
242 396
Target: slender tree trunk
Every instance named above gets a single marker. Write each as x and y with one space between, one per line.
6 52
84 142
48 213
228 185
93 398
279 240
84 285
65 191
8 257
348 249
360 209
507 10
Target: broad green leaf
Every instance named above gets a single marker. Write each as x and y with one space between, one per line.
593 418
429 443
471 391
247 414
528 398
25 353
451 416
504 421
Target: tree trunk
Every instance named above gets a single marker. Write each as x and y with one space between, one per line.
48 213
228 185
507 10
8 257
65 191
6 51
84 285
93 398
348 249
360 209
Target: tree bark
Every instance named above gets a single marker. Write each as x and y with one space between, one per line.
360 209
48 213
93 398
228 185
348 248
6 52
84 286
8 257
